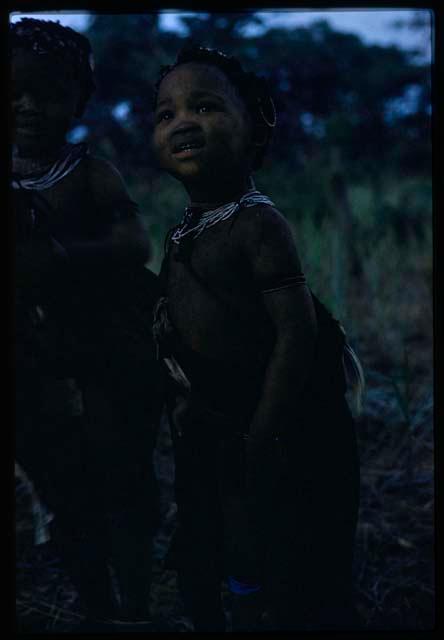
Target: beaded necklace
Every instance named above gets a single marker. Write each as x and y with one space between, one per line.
70 157
209 218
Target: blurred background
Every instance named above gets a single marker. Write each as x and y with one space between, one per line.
350 168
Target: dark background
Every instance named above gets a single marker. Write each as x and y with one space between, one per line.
350 168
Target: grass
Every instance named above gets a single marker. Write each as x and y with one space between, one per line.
394 553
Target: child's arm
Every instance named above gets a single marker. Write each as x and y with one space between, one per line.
273 259
126 240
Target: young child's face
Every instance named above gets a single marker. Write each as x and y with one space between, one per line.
202 130
44 100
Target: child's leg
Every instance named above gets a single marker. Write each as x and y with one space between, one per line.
133 526
79 528
200 531
123 437
54 453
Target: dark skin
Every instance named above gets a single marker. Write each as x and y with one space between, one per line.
45 96
208 113
45 101
197 104
86 232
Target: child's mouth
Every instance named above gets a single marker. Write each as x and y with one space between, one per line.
29 127
187 149
29 130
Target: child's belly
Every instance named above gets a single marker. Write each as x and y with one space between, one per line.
227 329
224 353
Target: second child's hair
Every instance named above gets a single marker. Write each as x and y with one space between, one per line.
251 88
46 36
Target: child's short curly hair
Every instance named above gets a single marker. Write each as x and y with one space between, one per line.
47 36
252 89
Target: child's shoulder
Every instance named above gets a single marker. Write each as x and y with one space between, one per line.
108 187
263 213
263 221
104 178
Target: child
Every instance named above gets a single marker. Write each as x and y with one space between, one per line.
87 399
266 467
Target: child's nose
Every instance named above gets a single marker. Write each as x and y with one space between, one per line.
186 118
185 125
28 102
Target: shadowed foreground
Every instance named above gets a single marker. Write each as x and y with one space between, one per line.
394 554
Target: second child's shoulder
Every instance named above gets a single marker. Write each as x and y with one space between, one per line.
104 178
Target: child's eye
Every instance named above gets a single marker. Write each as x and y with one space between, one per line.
164 115
205 107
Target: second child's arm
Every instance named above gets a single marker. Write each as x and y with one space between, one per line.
126 239
274 260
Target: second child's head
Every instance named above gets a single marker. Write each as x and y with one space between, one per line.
213 120
52 79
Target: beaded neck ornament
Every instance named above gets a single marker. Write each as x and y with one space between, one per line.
68 160
191 226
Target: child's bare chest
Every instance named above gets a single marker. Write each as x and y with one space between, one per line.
212 263
211 300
